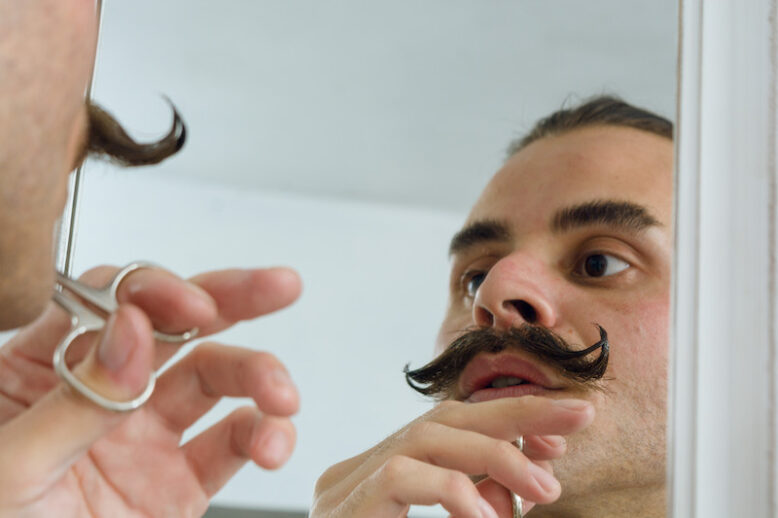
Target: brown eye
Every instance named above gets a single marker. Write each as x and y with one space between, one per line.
602 265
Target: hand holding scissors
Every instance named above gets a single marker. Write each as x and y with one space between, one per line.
85 320
63 455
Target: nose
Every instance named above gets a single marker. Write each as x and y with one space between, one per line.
516 290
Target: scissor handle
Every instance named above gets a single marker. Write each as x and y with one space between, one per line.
105 298
516 502
83 321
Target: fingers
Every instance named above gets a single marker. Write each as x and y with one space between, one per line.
210 302
246 294
44 441
468 439
474 454
510 418
500 498
211 371
219 452
23 379
544 447
404 481
172 304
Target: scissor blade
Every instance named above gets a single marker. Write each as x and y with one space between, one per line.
99 298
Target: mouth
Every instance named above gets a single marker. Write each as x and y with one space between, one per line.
489 377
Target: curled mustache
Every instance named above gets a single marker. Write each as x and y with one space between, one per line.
108 139
438 378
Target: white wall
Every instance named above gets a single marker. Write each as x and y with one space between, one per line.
400 101
375 283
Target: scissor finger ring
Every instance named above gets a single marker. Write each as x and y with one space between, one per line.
83 320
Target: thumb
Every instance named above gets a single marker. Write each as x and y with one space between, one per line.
41 444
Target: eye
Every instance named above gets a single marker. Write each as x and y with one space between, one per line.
471 281
602 265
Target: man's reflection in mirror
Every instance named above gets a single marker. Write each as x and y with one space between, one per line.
556 330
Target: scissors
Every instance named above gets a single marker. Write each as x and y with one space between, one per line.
516 501
71 295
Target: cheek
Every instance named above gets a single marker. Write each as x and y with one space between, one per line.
452 326
640 341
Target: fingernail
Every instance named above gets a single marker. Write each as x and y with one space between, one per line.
545 480
487 511
281 379
111 352
275 447
283 383
576 405
197 291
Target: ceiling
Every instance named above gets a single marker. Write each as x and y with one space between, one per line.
402 102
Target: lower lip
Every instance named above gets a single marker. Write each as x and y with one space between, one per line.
487 394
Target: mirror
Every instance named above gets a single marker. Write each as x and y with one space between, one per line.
349 140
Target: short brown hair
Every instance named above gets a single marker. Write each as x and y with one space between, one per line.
596 111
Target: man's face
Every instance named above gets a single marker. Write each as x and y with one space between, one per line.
543 255
47 50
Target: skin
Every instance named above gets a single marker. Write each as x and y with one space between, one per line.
60 455
609 465
42 43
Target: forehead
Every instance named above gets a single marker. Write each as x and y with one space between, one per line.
595 163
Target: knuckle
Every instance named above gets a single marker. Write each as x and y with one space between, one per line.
506 450
457 483
263 360
326 479
204 352
394 469
421 430
445 407
260 366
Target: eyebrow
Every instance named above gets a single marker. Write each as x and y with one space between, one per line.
479 232
614 213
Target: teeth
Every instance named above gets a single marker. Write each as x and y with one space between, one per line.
506 381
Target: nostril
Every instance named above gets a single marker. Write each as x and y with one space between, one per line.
526 311
483 317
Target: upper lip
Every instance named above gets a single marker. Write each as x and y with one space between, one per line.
485 368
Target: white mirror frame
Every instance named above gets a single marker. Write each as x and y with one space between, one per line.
722 459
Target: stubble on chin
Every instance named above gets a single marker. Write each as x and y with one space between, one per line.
27 279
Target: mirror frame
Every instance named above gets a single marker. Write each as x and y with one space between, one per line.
724 371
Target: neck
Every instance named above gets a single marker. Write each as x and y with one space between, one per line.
638 502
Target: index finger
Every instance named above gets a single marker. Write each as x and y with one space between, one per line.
210 301
510 418
246 294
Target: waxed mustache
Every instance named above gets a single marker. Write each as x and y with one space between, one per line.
438 378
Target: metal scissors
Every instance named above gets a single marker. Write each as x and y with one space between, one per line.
71 295
516 501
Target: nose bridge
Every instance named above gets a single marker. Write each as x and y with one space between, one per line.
517 289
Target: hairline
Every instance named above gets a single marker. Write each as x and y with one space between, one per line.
520 144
